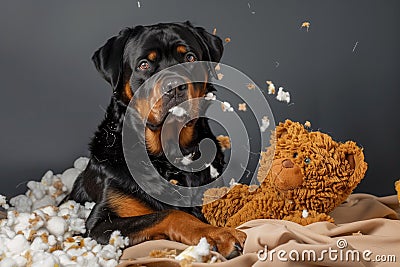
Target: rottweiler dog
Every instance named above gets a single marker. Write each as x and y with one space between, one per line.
126 61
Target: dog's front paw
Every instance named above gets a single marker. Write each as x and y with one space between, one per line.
228 242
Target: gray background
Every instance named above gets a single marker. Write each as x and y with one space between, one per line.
52 98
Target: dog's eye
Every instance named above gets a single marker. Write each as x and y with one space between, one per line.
190 57
144 65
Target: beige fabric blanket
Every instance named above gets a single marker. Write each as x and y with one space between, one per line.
366 233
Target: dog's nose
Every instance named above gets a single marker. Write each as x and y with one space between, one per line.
174 85
287 163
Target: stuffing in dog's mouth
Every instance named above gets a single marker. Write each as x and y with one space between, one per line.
178 111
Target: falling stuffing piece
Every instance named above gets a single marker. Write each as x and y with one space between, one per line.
186 160
306 24
282 95
251 86
264 124
242 107
271 88
226 107
224 142
210 96
213 171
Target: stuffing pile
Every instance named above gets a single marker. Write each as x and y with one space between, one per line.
38 233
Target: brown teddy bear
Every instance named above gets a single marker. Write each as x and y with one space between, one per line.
397 186
310 175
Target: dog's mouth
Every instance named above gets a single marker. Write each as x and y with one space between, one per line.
178 115
174 109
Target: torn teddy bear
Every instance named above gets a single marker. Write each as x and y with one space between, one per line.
302 180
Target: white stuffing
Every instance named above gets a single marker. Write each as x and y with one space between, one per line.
56 226
21 203
232 183
210 96
226 106
186 160
38 189
81 163
43 202
271 88
3 202
8 262
18 244
195 253
213 171
264 124
68 177
37 233
178 111
44 259
283 96
304 214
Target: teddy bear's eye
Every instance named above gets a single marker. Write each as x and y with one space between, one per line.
307 161
295 155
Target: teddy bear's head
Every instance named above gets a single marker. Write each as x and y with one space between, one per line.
312 169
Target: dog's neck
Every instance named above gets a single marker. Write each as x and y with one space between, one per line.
186 139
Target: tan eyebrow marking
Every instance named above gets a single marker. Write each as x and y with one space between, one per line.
181 49
152 55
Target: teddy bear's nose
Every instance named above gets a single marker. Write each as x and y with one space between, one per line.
287 163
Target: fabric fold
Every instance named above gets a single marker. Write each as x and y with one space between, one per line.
366 233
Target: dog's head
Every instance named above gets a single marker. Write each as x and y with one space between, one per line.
127 60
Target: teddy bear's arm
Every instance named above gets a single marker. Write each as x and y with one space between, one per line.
223 203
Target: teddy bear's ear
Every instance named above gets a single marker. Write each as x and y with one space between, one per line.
355 157
350 159
280 131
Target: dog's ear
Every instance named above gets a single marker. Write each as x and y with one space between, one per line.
108 59
213 43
